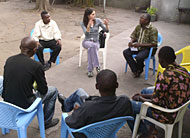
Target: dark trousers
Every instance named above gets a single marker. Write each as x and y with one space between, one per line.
48 44
136 64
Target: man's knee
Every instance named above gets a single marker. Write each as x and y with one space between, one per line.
52 91
126 53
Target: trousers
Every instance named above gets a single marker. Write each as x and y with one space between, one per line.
92 48
136 64
48 44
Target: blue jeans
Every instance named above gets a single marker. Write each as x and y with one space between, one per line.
1 85
78 97
49 103
136 110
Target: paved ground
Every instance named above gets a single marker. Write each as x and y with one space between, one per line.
67 76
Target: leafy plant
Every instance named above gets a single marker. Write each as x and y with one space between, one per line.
151 10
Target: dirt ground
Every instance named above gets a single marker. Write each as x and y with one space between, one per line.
17 19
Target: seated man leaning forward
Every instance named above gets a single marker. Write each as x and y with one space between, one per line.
47 34
93 109
142 39
171 91
20 72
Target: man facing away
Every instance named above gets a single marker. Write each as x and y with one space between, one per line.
91 109
172 90
47 34
20 72
142 39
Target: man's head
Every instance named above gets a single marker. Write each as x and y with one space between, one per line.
45 17
145 19
166 56
28 46
106 82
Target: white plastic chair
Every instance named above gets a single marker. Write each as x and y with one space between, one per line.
103 50
167 127
16 118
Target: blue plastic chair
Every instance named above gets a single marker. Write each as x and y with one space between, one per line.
46 50
147 60
102 129
16 118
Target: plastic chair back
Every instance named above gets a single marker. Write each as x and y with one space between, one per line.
102 129
16 118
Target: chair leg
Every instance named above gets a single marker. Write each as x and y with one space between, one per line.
146 69
80 57
180 125
36 58
57 60
126 67
22 132
40 116
168 131
104 60
136 127
154 65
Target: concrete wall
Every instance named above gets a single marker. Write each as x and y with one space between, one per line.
127 4
167 10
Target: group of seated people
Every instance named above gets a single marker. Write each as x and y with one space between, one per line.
172 88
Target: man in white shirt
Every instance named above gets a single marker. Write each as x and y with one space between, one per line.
47 34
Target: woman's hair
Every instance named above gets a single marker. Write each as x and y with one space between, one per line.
87 12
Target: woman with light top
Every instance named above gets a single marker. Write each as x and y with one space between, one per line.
90 26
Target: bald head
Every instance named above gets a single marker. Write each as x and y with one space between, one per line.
28 46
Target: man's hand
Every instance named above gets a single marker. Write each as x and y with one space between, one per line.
136 97
59 42
106 21
130 44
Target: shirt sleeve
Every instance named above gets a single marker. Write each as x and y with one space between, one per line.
154 36
84 29
102 25
36 34
41 80
161 88
57 33
78 118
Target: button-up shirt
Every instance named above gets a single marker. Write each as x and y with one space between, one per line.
172 91
46 32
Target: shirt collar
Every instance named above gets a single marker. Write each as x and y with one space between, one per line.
43 25
148 26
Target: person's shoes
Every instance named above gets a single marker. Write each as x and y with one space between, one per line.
47 66
136 74
98 69
61 99
90 74
52 123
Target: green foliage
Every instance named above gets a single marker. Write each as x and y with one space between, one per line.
151 10
84 3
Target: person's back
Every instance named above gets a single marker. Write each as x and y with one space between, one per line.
19 74
99 109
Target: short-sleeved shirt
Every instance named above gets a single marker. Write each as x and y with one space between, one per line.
172 90
93 35
146 35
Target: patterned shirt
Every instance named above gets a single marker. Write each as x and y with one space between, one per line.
172 90
147 35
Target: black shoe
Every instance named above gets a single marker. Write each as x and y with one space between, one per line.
52 123
61 99
47 66
98 69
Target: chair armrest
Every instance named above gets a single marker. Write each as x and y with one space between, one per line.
148 104
64 115
184 64
178 52
34 105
